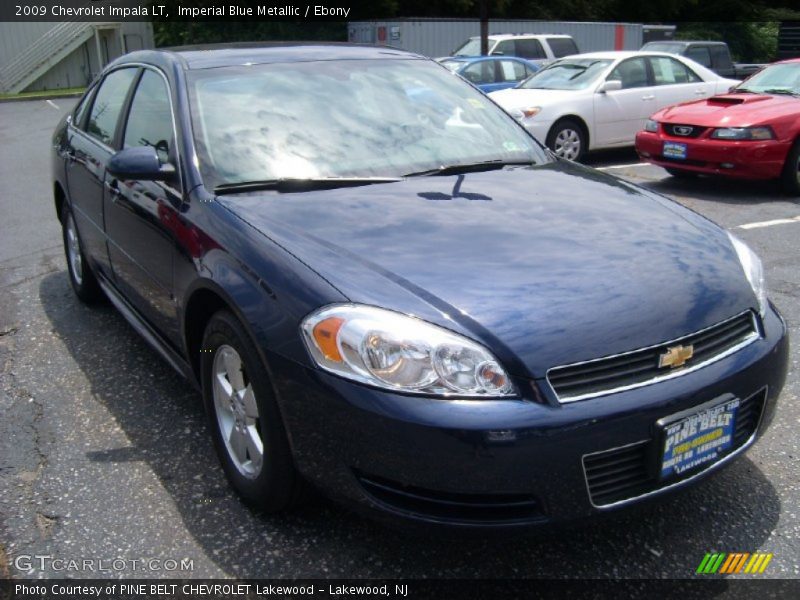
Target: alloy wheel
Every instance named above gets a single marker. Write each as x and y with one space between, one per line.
74 251
237 412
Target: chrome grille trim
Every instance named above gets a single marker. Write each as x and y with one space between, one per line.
672 374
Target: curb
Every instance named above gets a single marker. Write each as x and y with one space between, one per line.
42 98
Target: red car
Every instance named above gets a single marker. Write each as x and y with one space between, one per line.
752 132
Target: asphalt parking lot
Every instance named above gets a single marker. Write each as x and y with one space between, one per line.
104 452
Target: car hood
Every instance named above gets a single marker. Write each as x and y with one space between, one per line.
544 265
731 110
520 98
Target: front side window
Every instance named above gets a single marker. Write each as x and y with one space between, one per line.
668 71
347 118
472 47
108 104
631 72
568 74
506 48
479 72
150 117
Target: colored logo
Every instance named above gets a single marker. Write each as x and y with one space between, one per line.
675 356
735 562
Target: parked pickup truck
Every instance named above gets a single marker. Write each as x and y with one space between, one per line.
712 55
539 49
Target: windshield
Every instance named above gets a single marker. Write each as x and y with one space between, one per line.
345 118
774 79
472 47
567 74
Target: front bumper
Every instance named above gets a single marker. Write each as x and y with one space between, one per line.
740 159
501 463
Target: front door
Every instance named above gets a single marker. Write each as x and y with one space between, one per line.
619 114
140 214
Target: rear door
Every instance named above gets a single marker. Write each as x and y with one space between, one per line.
141 216
619 114
90 145
675 82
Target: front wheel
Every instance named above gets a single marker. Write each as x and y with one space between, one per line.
790 178
244 417
567 140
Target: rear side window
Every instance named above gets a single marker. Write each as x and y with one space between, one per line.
511 71
150 117
108 104
699 54
668 71
530 49
562 46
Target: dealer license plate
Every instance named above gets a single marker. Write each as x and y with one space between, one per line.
697 439
674 150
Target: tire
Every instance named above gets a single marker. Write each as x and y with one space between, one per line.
249 420
790 177
84 283
681 174
567 140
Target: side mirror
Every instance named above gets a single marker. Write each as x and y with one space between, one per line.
611 85
139 162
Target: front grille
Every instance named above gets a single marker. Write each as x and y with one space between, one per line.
453 507
625 473
674 128
641 367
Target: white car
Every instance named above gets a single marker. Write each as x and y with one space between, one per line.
601 99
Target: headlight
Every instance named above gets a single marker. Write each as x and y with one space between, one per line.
753 270
401 353
651 126
743 133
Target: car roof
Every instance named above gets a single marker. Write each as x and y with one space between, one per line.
511 36
620 54
466 59
226 55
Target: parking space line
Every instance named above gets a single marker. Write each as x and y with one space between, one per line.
631 166
53 104
760 224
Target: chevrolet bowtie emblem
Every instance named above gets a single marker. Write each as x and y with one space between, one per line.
675 356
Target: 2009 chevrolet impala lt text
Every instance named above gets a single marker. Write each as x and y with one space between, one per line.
386 287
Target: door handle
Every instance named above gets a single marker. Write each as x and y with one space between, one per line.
651 97
113 190
700 92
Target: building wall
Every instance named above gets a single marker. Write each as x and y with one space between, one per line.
80 66
439 37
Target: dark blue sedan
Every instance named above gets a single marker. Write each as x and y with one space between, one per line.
386 288
491 73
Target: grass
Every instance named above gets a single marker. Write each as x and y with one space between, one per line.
43 95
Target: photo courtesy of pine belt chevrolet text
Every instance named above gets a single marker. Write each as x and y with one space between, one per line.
389 291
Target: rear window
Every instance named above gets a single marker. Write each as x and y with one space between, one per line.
562 46
699 54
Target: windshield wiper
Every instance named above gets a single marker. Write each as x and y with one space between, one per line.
291 184
780 91
741 91
486 165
